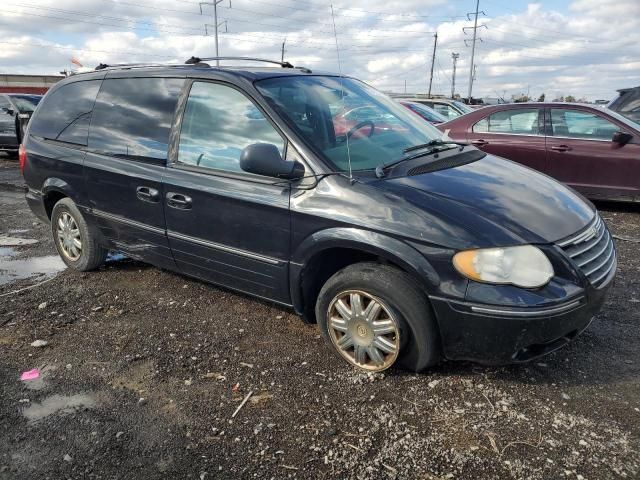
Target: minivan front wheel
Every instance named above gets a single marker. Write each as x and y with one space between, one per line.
76 244
374 316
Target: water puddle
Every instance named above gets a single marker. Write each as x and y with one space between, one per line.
7 252
58 404
6 241
39 267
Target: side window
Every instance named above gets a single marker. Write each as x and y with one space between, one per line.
517 122
219 122
581 124
66 113
132 117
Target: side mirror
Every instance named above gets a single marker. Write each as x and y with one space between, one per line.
8 111
621 138
265 159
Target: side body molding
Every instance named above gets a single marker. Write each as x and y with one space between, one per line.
386 247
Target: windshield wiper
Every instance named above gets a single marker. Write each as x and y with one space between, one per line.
429 145
434 143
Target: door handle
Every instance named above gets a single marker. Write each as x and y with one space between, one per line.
479 143
561 148
148 194
178 200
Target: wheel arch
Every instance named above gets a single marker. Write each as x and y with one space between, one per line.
53 190
325 252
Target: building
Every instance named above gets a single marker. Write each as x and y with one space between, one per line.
36 84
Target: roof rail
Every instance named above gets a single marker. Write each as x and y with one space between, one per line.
195 60
104 66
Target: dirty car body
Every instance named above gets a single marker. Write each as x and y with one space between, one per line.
172 195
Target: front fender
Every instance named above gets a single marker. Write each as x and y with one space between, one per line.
391 249
379 244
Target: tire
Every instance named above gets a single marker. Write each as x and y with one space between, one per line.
401 301
91 254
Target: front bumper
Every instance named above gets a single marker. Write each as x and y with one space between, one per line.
491 334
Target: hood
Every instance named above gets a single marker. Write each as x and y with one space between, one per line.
500 202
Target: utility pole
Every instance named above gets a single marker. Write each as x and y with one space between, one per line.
455 57
473 44
433 61
216 25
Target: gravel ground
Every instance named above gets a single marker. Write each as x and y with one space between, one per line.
144 369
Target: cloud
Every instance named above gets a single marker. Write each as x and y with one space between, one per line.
590 50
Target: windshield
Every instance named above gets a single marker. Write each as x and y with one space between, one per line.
352 118
626 117
425 112
463 107
25 103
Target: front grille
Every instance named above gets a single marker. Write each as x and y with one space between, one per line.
593 251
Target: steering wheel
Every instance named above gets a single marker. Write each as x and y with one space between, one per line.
365 123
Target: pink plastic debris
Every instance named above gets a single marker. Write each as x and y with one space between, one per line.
30 375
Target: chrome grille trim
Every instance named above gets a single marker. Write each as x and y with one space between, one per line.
584 235
592 251
602 263
599 252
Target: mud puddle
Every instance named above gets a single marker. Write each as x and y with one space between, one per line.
58 405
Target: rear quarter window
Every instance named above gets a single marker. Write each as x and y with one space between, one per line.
66 113
132 117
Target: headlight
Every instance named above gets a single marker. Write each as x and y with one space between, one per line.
525 266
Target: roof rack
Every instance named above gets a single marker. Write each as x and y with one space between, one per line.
104 66
195 60
191 61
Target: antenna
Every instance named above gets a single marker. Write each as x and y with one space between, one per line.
335 35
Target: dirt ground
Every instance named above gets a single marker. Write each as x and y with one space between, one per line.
144 369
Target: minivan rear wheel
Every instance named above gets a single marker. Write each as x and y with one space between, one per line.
374 317
76 244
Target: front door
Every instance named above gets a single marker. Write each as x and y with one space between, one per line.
515 134
125 161
224 225
581 154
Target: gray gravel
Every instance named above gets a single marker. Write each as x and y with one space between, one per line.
144 368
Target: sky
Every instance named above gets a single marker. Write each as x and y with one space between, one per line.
584 48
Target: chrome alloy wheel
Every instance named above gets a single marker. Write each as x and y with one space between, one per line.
363 330
69 237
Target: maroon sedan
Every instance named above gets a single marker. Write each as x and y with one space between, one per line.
592 149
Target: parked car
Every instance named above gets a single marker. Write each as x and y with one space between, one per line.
15 111
405 248
627 103
449 109
372 118
426 113
590 148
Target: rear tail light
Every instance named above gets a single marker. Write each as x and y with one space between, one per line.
22 157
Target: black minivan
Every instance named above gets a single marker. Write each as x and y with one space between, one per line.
318 192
